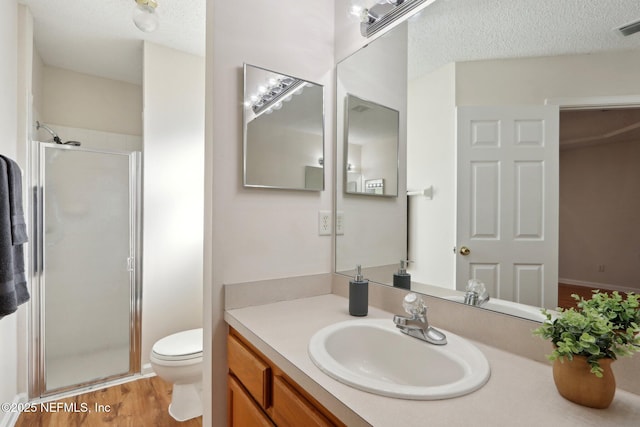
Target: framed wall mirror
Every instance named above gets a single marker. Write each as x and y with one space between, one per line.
560 88
371 159
283 131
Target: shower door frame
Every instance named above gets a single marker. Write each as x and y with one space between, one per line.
36 186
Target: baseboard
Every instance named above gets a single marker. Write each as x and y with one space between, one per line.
147 370
11 418
595 285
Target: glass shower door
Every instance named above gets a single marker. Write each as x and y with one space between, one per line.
88 292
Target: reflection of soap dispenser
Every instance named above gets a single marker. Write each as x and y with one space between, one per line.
402 279
358 295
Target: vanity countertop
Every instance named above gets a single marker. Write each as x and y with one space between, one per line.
520 391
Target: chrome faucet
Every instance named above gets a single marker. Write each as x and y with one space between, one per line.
417 325
476 293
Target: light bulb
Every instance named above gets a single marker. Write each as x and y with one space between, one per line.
277 106
262 89
357 10
287 98
145 16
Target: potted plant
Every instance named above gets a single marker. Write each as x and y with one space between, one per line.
587 340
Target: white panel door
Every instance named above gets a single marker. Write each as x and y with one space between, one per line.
508 201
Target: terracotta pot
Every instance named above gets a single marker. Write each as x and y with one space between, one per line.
576 383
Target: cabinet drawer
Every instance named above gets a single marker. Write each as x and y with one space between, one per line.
252 372
243 411
290 409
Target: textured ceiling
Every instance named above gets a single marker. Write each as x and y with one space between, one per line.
98 37
462 30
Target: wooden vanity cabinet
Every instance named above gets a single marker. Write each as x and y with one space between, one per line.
260 394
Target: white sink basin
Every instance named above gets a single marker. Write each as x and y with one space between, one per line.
508 307
374 356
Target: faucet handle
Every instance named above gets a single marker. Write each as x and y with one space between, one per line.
413 304
476 294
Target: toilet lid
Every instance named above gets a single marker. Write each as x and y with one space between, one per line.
181 345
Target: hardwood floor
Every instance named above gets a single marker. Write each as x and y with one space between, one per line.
565 291
141 403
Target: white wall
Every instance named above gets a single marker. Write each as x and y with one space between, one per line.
8 147
431 161
173 193
83 101
256 234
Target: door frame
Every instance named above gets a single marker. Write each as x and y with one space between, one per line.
594 103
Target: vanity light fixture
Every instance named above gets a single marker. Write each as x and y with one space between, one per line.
145 16
382 13
271 97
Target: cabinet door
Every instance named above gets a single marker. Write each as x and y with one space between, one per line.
252 372
290 409
242 411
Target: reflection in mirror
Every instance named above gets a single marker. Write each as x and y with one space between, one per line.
371 160
374 228
283 131
576 199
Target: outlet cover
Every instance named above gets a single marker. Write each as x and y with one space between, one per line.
339 223
324 223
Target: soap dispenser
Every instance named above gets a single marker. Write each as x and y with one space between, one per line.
358 294
402 279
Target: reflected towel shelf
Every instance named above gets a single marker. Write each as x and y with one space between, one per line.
427 192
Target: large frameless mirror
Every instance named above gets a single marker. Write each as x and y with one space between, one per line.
371 160
283 131
552 213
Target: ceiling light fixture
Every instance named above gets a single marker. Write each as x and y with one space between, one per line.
145 15
381 14
270 97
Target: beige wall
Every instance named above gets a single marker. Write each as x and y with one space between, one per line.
532 80
173 193
599 205
83 101
253 234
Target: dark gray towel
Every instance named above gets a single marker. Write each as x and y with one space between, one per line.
18 225
13 283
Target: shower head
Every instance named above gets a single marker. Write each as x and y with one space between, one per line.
55 136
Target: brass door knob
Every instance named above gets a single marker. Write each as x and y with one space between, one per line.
465 251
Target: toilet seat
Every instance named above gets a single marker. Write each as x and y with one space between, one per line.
181 346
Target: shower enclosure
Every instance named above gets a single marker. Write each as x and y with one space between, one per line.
84 267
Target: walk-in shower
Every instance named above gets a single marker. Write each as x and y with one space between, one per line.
84 267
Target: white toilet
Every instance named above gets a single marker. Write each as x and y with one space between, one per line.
178 359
